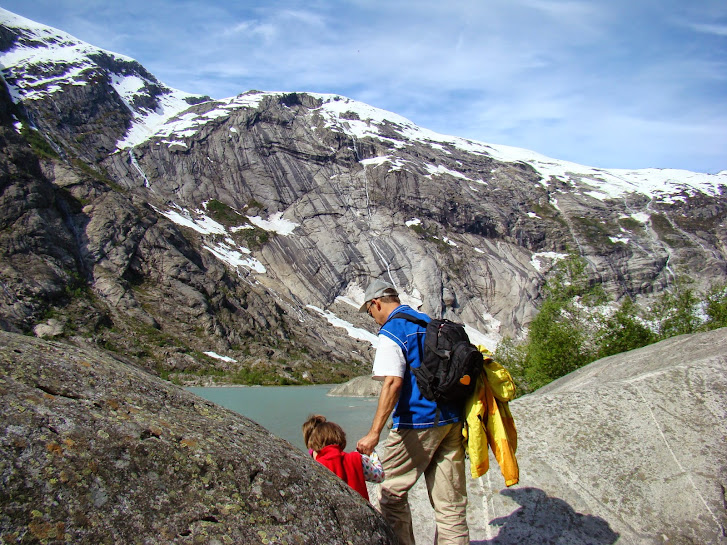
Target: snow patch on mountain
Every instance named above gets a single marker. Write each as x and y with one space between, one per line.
58 52
71 59
202 224
640 217
235 256
227 250
353 332
275 223
216 356
147 124
476 337
605 183
542 261
438 170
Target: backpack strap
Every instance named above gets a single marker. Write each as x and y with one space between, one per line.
423 374
430 342
410 318
421 323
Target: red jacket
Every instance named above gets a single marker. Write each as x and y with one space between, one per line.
346 465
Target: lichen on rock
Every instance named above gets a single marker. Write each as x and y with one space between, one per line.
94 450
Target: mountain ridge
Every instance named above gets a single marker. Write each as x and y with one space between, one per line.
80 48
255 222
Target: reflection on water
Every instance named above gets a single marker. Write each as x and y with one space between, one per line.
283 409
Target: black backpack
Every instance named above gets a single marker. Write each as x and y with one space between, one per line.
450 362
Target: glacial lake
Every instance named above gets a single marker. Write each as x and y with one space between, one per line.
283 409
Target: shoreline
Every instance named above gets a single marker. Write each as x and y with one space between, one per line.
218 385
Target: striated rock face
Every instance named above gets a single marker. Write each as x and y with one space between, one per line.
638 440
627 450
166 226
94 450
85 262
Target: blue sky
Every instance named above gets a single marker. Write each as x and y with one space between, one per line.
604 83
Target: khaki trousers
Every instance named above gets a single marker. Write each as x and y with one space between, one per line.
439 455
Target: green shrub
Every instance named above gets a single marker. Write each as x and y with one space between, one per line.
569 279
40 145
623 331
715 306
595 231
630 224
224 214
676 310
667 233
253 238
91 172
556 344
512 355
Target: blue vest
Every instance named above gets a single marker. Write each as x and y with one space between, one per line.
413 410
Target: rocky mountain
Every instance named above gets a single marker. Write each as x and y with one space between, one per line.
238 235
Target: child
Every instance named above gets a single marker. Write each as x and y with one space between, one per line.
326 440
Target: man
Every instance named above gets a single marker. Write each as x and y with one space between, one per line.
425 438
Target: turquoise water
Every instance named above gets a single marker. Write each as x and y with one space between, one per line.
283 409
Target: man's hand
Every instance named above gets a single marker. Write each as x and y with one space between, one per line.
367 444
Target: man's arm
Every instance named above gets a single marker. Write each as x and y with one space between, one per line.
388 399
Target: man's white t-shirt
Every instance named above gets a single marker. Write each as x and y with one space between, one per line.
389 360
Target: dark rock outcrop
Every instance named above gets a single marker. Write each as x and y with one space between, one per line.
38 249
94 450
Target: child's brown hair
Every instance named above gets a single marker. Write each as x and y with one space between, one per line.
319 433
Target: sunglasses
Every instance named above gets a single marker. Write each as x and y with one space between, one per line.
368 307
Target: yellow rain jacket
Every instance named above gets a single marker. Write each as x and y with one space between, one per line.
488 421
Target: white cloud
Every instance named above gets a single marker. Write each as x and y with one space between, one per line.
568 11
297 16
267 32
717 30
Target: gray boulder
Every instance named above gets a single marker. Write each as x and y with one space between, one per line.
357 387
637 439
94 450
49 329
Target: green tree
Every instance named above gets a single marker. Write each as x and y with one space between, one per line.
715 306
559 340
570 331
676 311
623 331
569 279
511 355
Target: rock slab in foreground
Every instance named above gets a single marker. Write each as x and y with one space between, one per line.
93 450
